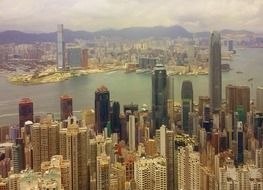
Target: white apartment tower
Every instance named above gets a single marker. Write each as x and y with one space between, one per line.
75 139
188 168
103 172
142 174
151 174
131 130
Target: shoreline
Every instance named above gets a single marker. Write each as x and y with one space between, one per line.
51 77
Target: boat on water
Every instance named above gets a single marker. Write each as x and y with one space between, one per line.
239 72
225 67
138 71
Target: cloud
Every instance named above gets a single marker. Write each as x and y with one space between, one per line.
195 15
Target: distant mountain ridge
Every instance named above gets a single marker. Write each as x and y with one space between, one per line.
133 33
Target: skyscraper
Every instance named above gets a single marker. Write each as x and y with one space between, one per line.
60 48
85 58
25 111
66 108
131 129
159 97
115 118
18 154
165 138
187 104
103 172
74 140
238 100
259 99
74 57
215 79
240 143
203 101
188 162
102 108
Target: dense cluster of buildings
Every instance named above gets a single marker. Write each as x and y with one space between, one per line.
214 145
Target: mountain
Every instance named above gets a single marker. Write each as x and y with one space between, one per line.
133 33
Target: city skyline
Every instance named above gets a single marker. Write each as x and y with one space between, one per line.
107 14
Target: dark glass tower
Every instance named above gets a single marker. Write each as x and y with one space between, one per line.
159 97
102 108
115 118
240 143
25 111
66 108
215 79
18 154
187 104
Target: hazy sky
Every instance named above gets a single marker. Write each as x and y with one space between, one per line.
92 15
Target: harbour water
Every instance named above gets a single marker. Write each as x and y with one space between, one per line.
123 87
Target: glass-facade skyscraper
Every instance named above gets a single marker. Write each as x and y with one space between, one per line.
187 104
60 48
102 108
115 118
159 97
215 78
25 111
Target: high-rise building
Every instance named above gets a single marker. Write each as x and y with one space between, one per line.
118 175
243 177
238 100
4 132
25 111
103 172
159 97
215 79
57 165
13 181
150 147
74 57
259 158
129 167
5 165
131 129
130 109
188 163
84 58
115 118
74 149
203 102
18 154
258 128
4 184
259 99
66 108
165 140
44 141
159 173
240 143
60 48
187 104
102 108
151 174
142 174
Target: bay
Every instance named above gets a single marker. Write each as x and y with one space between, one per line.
123 87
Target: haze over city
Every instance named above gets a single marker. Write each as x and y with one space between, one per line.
199 15
131 95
